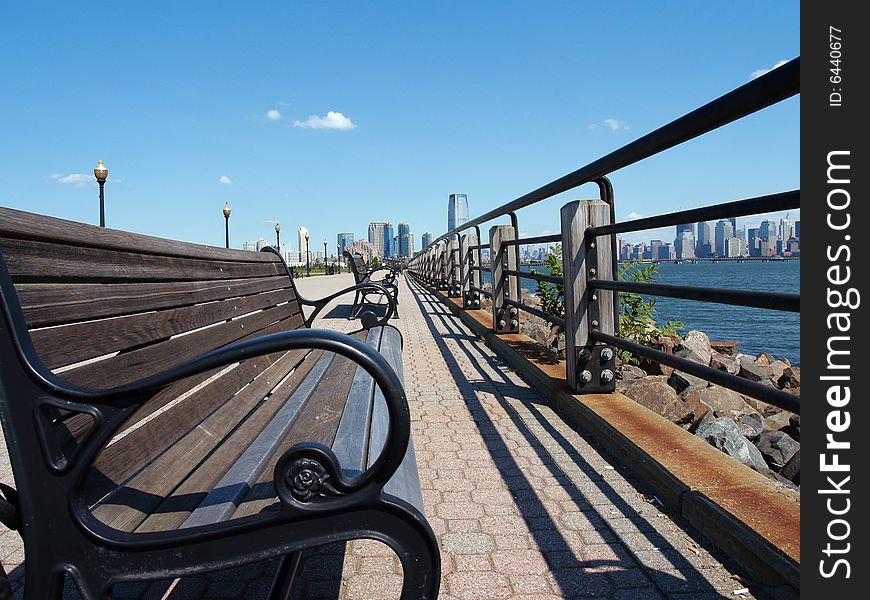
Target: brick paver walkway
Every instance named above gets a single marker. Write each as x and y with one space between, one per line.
524 506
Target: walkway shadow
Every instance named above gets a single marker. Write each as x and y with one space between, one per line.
573 574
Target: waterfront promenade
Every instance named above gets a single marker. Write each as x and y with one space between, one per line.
523 505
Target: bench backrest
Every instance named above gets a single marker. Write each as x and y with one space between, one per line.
358 266
107 307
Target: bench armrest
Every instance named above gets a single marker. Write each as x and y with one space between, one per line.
382 288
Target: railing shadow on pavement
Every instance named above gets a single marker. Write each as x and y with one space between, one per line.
566 567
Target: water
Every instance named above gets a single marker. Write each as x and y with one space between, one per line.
757 330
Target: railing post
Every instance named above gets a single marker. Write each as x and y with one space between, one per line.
505 318
454 287
590 367
470 278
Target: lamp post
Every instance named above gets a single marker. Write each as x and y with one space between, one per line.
227 219
324 256
307 257
278 236
101 173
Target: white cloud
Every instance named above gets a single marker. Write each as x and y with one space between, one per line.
633 215
615 124
273 115
77 180
224 180
332 120
759 72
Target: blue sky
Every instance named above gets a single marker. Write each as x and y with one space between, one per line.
195 104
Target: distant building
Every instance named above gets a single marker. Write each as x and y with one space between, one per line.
377 238
389 241
366 249
427 238
251 245
767 231
684 246
724 232
753 245
734 247
786 228
654 246
457 211
304 238
344 240
797 229
406 242
703 240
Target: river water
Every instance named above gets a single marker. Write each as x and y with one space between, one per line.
756 329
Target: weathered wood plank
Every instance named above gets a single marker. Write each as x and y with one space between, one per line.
129 505
44 262
70 344
136 364
54 304
29 226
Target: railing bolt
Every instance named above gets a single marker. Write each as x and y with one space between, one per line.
514 324
606 375
585 376
595 322
501 324
584 355
477 302
591 244
606 354
513 311
594 297
592 272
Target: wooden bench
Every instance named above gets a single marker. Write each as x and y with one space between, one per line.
168 411
362 274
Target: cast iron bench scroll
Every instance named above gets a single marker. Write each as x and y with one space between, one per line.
362 274
168 411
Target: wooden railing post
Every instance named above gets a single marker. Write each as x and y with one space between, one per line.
505 318
454 285
470 278
590 366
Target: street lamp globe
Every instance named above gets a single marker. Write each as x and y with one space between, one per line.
227 210
101 172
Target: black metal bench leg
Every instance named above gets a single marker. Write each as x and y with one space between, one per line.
356 307
413 541
283 582
42 586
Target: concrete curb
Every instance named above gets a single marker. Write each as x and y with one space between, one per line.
754 521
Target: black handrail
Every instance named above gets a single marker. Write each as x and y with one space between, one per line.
541 239
537 312
535 276
775 86
740 208
770 300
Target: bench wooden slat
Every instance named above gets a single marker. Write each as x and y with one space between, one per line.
44 262
57 304
126 507
136 364
98 338
29 226
357 388
227 493
138 448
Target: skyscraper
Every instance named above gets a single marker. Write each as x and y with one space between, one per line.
702 240
457 211
427 239
344 240
303 243
406 248
724 232
377 237
768 231
389 245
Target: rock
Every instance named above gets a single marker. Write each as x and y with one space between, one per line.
628 372
656 369
765 359
538 329
777 421
750 369
723 362
726 348
792 469
696 347
750 425
655 394
777 447
680 381
790 378
722 433
794 427
777 368
724 402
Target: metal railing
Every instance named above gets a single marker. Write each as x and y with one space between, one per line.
588 230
